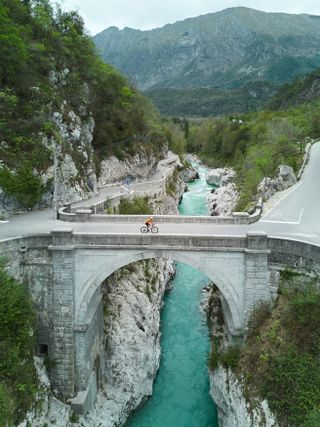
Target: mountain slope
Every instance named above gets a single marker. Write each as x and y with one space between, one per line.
223 50
303 90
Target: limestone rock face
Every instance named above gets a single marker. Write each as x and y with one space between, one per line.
285 178
168 203
76 178
132 310
53 412
137 167
72 142
225 389
7 205
233 410
222 200
213 177
189 174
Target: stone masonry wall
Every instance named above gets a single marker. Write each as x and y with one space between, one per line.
88 343
62 352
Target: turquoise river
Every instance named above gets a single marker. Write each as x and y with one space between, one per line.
181 390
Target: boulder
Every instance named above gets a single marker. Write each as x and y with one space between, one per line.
224 200
285 178
214 177
220 176
287 175
189 174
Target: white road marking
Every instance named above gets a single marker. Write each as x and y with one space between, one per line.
300 216
3 222
280 200
285 222
124 188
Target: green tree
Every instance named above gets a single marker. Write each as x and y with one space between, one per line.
17 374
23 186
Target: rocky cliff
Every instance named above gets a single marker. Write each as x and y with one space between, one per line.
284 179
226 389
133 301
233 408
71 144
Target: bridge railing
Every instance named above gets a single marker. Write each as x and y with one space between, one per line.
305 159
294 254
86 215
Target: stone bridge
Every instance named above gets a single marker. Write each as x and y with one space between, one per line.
64 271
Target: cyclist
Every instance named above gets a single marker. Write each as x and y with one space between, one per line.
149 223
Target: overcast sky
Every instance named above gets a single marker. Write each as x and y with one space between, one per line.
147 14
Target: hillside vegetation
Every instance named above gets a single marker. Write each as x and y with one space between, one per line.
48 65
18 382
301 91
204 102
254 144
283 345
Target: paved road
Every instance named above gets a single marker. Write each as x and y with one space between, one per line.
298 213
112 190
296 216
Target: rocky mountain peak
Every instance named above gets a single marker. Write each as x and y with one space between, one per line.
223 50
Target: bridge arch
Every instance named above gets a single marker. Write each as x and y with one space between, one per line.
81 262
216 267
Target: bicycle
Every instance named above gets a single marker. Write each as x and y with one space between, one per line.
153 229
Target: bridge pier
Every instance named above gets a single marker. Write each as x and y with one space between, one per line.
257 287
62 350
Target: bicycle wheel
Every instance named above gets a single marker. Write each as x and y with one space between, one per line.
144 229
154 230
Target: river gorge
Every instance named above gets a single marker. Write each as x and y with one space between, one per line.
181 390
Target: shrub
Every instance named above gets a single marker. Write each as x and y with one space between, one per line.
137 206
23 185
171 184
258 317
228 357
312 418
292 385
213 360
302 317
7 406
283 346
18 382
